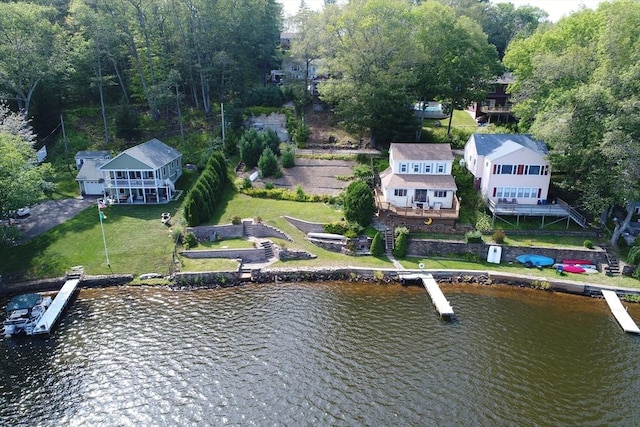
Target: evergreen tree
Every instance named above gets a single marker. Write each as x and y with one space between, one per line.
377 248
268 163
359 204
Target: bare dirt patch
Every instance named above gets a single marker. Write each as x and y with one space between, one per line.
314 176
325 132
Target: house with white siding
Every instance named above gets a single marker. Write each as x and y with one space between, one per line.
509 168
419 180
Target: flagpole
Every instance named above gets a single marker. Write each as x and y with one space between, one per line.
104 239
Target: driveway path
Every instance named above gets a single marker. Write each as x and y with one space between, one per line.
48 214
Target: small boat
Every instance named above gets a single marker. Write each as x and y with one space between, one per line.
24 312
573 269
165 218
576 261
532 260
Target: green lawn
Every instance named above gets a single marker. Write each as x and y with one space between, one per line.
137 242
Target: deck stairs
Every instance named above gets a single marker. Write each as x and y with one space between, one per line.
613 262
389 240
240 168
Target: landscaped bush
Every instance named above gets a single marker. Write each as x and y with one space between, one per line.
236 220
401 245
201 199
483 222
190 241
359 204
588 244
268 164
288 158
284 194
339 227
268 185
377 248
498 236
473 237
400 230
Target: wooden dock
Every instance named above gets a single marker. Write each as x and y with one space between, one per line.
58 304
437 297
620 313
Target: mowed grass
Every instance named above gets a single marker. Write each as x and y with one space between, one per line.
137 242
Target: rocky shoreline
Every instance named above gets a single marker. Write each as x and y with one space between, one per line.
212 280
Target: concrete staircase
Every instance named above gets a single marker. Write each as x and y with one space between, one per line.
268 249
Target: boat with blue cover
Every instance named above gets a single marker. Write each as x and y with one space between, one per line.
533 260
24 312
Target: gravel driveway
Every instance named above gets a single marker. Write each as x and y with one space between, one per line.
47 215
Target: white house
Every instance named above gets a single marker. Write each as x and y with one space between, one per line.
146 173
419 176
509 168
89 177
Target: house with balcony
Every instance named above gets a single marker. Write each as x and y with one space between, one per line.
146 173
419 182
513 175
496 107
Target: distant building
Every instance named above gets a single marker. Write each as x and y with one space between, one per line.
81 156
496 107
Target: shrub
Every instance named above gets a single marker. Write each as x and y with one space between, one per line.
377 248
190 240
483 222
634 255
268 185
498 236
400 230
300 196
288 158
402 242
473 237
268 163
246 183
236 220
339 227
588 244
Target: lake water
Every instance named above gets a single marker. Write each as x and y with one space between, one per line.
327 354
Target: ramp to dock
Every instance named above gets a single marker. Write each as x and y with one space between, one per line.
437 297
620 313
58 304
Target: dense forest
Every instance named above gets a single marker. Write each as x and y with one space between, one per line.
576 80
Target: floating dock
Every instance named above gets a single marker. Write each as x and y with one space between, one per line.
437 297
620 313
58 304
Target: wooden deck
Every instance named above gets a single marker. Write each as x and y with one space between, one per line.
415 212
437 297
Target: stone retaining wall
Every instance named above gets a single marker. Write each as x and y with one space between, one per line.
261 230
246 254
207 233
447 248
305 226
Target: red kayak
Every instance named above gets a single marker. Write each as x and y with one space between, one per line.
573 269
577 261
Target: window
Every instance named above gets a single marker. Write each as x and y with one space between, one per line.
533 170
428 167
520 192
499 192
527 192
505 169
441 167
400 192
416 168
404 167
440 193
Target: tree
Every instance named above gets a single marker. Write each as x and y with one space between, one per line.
23 181
251 147
32 50
577 89
457 62
401 245
288 158
370 57
268 163
359 203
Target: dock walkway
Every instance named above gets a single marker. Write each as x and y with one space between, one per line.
437 297
58 304
620 313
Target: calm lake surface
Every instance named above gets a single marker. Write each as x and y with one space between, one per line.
327 354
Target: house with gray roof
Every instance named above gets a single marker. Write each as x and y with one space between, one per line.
509 168
89 177
418 181
146 173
